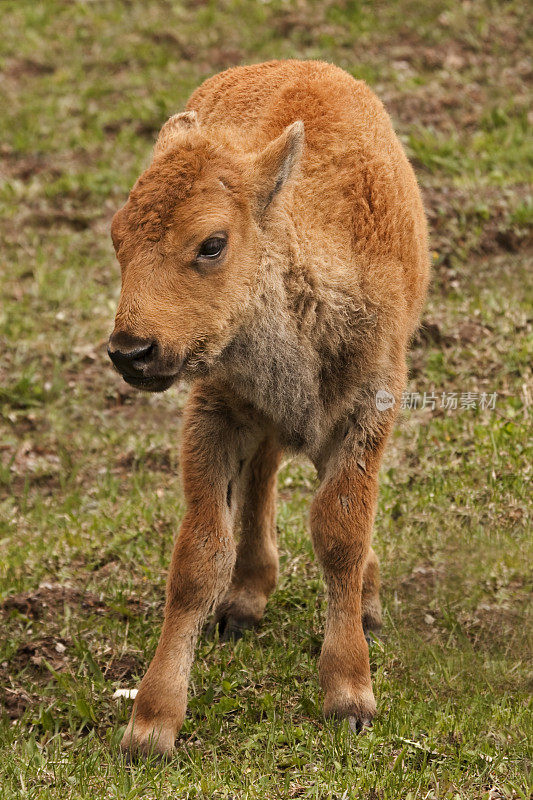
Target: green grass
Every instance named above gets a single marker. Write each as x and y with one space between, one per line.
90 496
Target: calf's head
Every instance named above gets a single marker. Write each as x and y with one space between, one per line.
188 242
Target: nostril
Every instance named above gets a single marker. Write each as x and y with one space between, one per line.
130 354
144 353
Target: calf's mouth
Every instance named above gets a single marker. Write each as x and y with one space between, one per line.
157 383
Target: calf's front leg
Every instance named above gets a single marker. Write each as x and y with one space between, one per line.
200 571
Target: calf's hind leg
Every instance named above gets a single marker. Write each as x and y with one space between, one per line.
342 516
256 568
370 602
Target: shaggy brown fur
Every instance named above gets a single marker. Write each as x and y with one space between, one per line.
292 170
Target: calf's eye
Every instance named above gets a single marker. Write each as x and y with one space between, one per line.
212 248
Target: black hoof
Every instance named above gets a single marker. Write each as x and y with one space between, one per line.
230 628
135 757
358 726
371 626
372 634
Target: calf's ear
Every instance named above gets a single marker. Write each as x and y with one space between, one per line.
116 228
173 129
274 166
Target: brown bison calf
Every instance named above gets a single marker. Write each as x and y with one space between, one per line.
275 254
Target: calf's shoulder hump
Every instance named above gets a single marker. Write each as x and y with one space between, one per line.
262 99
356 186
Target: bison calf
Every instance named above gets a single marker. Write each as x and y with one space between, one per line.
275 255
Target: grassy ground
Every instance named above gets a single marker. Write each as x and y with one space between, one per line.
90 496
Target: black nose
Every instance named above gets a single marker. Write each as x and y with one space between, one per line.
130 354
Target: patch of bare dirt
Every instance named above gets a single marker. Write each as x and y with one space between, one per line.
50 598
181 48
17 68
471 331
124 667
40 654
423 577
148 128
492 622
56 218
480 225
432 332
457 53
14 702
441 109
224 57
30 463
25 166
157 460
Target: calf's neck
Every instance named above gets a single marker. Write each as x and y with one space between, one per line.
275 256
